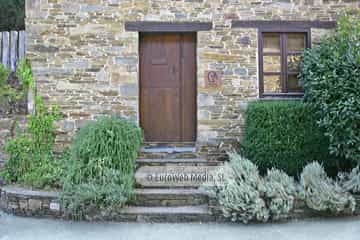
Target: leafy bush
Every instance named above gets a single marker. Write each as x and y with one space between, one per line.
8 94
239 192
243 195
31 160
284 135
4 74
281 192
12 15
14 89
99 172
350 181
324 194
330 73
24 75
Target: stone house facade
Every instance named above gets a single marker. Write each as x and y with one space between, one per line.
88 58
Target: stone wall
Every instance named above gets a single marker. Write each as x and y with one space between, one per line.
85 62
23 202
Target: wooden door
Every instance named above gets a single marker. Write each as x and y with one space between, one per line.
168 86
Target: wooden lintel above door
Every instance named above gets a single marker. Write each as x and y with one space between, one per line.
152 26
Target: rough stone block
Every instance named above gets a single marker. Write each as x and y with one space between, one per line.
23 204
34 204
13 205
129 90
126 60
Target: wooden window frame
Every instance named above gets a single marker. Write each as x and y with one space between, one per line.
283 57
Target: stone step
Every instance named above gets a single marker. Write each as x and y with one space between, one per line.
166 155
167 151
199 213
175 176
168 144
169 197
176 161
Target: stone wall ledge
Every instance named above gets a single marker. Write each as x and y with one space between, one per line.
26 193
24 202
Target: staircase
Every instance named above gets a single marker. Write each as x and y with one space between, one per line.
168 177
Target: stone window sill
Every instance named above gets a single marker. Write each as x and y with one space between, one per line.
282 96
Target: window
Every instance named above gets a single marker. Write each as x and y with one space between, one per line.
280 56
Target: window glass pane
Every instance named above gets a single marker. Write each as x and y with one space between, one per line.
272 83
296 41
272 63
293 84
271 43
293 62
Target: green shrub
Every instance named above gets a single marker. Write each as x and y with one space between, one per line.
44 173
350 181
24 75
12 15
14 90
324 194
243 195
31 159
7 93
280 192
4 75
330 73
284 135
99 172
239 192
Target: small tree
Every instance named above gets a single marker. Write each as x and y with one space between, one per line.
330 73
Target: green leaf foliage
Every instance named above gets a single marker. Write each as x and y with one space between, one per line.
244 195
324 194
12 15
284 135
280 194
7 93
14 89
4 75
350 181
100 169
31 159
24 74
330 73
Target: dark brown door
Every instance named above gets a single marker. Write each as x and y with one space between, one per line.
168 86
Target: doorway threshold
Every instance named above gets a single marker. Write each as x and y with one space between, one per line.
158 149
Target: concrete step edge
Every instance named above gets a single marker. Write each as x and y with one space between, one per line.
168 150
168 161
169 191
177 210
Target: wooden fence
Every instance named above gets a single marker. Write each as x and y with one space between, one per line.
12 48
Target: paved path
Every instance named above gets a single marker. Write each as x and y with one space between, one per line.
15 228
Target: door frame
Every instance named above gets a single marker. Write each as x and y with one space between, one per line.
140 34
